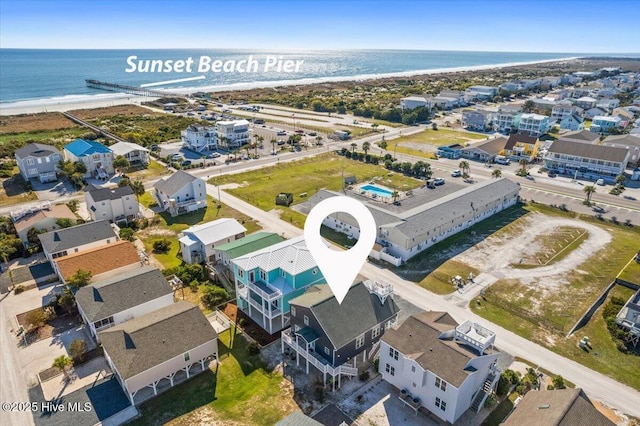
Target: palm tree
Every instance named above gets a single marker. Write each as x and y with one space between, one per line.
523 167
464 167
225 142
365 147
273 144
620 180
318 140
235 154
62 362
496 173
395 195
374 126
589 190
353 147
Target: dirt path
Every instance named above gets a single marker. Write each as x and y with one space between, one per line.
497 253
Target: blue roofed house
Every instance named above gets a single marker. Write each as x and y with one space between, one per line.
96 157
267 279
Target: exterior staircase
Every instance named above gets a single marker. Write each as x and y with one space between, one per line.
375 351
481 396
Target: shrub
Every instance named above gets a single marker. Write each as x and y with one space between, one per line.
80 279
503 385
253 348
364 376
73 205
213 296
558 382
376 364
77 349
18 289
161 246
127 234
37 318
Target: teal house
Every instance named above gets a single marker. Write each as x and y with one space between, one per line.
267 279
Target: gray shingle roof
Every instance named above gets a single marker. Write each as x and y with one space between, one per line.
64 239
560 407
598 152
419 338
622 140
101 194
581 135
36 150
520 137
492 146
137 345
174 183
121 292
337 320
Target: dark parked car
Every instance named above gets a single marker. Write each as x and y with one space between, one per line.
186 163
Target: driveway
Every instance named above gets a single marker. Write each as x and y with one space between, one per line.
53 190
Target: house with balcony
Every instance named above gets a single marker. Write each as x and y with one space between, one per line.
477 119
113 204
199 138
180 193
572 122
630 142
453 94
561 111
521 145
159 349
111 301
97 158
266 280
43 217
232 134
337 339
558 407
38 161
484 93
534 124
590 114
507 119
585 161
484 151
62 242
439 365
136 155
198 243
605 124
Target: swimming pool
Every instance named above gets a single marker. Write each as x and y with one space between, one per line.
380 192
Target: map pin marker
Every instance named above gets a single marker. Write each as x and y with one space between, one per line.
340 268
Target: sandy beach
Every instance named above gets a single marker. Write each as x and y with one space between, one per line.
74 102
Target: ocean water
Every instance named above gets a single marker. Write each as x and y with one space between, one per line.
29 74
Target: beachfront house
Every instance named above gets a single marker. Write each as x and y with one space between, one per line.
97 158
414 101
232 134
136 155
113 204
157 350
483 93
75 239
199 138
38 161
590 162
521 145
122 297
534 124
198 243
267 279
180 193
43 218
477 119
336 338
102 262
439 365
558 407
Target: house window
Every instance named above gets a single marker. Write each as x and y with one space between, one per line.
30 161
393 353
296 328
186 356
263 275
252 276
284 274
33 171
441 404
413 368
306 320
441 384
327 350
390 369
413 384
293 311
375 332
240 273
314 271
96 157
360 341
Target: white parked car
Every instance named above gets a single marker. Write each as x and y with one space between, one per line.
456 173
600 182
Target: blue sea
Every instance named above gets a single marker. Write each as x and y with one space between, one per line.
30 74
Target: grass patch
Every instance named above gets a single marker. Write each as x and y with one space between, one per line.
337 237
631 273
439 281
9 142
14 191
499 413
422 144
260 187
170 259
553 247
241 390
153 170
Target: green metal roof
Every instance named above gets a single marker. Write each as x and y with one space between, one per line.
250 243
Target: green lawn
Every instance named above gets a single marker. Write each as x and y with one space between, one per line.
631 273
499 413
170 259
153 171
240 391
423 144
260 187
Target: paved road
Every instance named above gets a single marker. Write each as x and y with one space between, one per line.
595 384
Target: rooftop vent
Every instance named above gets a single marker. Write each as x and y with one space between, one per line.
543 406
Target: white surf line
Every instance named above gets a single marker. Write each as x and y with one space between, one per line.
180 80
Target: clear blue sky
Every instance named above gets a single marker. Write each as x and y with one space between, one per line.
504 25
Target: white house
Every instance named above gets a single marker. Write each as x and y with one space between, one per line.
199 138
97 158
414 101
534 124
232 134
439 365
75 239
112 204
134 153
608 104
561 111
586 161
38 161
199 242
480 92
110 302
180 193
160 348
